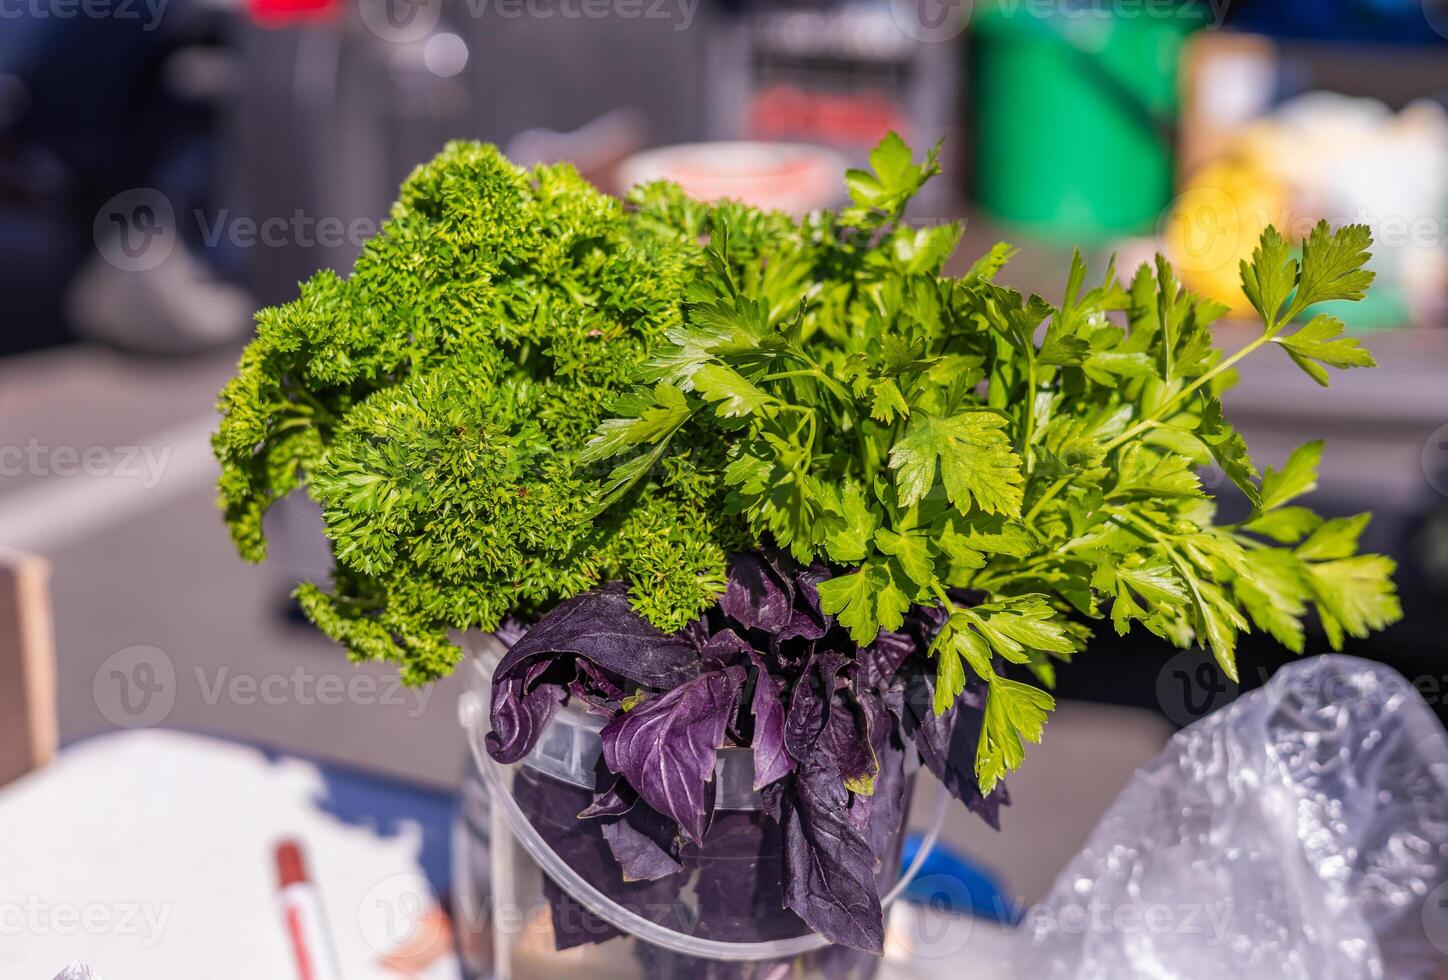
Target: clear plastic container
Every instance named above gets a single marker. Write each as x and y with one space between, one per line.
543 896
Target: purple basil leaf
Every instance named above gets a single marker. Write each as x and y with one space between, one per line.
666 747
598 683
600 626
549 805
947 744
771 761
724 649
544 801
829 864
615 801
883 812
881 660
520 715
772 796
644 843
807 620
574 925
847 739
809 704
739 886
758 597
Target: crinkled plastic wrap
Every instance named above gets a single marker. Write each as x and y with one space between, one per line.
1301 833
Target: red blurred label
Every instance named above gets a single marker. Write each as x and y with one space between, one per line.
854 118
283 13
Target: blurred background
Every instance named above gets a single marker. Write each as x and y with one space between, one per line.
168 166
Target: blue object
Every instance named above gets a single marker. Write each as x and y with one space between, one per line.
949 882
1359 21
387 806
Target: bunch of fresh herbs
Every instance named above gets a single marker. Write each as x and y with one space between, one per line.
778 483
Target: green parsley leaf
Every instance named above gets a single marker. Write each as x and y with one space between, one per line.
1354 595
868 600
1297 476
733 393
1015 713
1271 277
1320 342
976 462
1229 449
1332 266
1337 538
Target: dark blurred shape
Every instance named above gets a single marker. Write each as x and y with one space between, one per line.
1356 21
89 110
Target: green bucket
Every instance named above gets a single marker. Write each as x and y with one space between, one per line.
1075 112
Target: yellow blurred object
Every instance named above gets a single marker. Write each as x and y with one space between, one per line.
1216 222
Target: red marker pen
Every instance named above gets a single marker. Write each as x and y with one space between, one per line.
302 913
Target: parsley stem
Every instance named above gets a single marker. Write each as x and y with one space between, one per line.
944 597
1046 497
1152 418
1030 429
305 397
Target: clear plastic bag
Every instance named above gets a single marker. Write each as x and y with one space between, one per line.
1301 833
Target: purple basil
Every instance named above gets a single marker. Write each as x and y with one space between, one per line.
829 864
644 843
771 762
725 649
882 660
947 745
520 714
808 621
666 747
596 640
847 739
759 595
830 726
809 704
601 627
